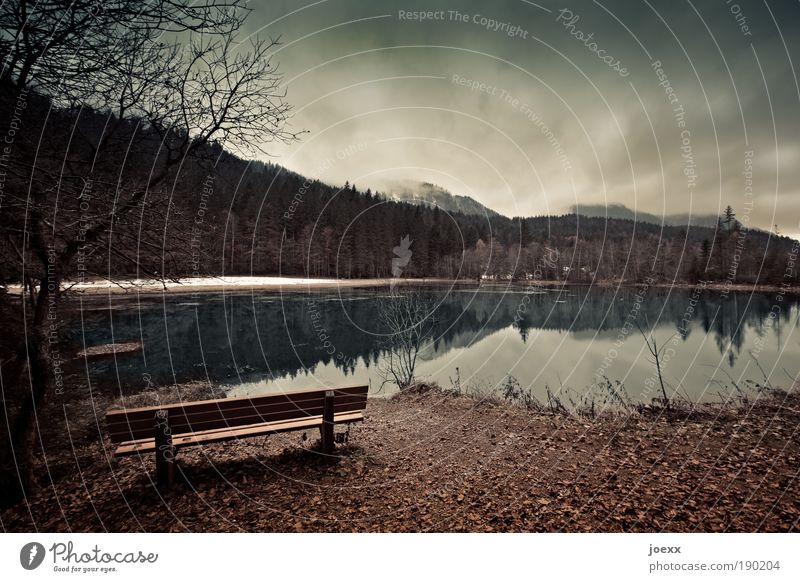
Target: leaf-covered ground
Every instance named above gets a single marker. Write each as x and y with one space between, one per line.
434 461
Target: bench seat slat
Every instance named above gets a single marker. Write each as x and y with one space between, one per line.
226 434
143 428
190 409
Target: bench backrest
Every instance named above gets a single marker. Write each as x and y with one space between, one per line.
139 423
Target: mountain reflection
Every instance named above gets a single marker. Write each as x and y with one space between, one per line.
247 338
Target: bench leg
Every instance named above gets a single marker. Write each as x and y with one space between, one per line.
165 467
326 430
165 451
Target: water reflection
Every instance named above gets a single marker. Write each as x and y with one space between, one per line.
544 337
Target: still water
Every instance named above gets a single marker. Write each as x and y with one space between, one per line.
561 339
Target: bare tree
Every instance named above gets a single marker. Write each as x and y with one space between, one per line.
408 320
656 352
143 87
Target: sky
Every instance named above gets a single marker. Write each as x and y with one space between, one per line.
528 107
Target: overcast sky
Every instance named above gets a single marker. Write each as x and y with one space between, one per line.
513 103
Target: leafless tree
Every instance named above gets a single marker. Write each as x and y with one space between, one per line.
652 347
146 86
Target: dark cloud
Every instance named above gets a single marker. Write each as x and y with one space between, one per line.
545 122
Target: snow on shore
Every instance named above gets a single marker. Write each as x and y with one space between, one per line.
199 284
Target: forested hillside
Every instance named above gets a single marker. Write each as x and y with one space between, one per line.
343 232
218 214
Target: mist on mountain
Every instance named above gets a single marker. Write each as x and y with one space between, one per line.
429 194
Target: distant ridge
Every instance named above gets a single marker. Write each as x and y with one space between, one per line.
623 212
429 194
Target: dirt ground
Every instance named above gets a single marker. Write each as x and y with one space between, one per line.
436 461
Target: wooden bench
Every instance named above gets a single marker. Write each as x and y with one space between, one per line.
165 429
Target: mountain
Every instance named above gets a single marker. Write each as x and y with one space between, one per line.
623 212
428 194
432 195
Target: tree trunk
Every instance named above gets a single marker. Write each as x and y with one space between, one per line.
17 462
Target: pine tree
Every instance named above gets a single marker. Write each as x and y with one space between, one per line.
729 219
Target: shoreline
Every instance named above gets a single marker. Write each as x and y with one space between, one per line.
240 284
221 284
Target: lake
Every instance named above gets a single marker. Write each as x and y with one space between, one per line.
562 339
